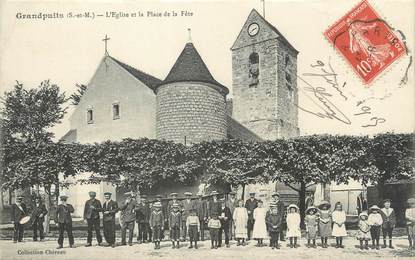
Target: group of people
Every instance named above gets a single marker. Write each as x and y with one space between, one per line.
235 219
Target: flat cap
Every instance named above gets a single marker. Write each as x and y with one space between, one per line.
188 193
108 193
92 193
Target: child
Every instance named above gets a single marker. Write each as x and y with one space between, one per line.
193 227
339 228
311 222
175 220
410 222
214 226
293 225
274 220
389 222
324 224
156 224
375 222
240 219
260 228
364 229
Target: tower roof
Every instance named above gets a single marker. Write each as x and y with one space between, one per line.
189 66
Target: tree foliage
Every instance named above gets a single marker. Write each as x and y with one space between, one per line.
80 91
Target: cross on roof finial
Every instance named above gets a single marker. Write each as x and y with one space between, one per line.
190 34
106 39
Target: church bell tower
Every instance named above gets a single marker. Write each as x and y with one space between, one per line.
264 69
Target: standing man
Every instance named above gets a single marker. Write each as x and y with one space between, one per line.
201 210
188 206
91 216
173 200
64 220
110 207
38 216
19 211
142 213
250 205
128 218
214 205
232 203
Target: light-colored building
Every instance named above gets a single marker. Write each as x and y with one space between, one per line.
190 106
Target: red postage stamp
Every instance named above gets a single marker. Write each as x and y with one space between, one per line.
366 41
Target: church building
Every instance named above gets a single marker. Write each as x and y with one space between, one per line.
189 105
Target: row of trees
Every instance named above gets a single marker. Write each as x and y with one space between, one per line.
31 159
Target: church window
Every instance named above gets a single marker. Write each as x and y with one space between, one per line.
253 69
115 111
90 116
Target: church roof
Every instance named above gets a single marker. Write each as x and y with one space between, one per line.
237 131
189 66
151 81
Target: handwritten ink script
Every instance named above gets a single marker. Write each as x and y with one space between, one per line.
324 99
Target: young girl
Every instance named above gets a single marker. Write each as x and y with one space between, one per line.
311 222
375 222
240 219
293 225
339 228
260 228
324 224
364 231
410 222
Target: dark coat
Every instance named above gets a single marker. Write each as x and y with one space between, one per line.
232 204
188 206
272 220
250 205
157 219
228 215
214 207
175 219
142 213
388 221
37 210
201 209
127 211
17 214
92 213
63 213
112 207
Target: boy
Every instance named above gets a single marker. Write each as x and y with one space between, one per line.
175 220
193 227
375 222
410 222
273 220
389 222
156 224
214 226
225 220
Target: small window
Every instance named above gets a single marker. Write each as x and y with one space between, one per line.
115 111
90 116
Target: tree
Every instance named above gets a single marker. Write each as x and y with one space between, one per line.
27 115
80 91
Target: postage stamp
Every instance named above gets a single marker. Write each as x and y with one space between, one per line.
366 41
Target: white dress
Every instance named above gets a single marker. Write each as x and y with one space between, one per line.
339 217
240 218
293 225
260 228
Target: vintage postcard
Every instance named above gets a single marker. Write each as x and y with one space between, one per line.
207 129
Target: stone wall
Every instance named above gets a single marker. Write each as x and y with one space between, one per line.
190 110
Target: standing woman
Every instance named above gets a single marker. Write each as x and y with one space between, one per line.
324 224
240 220
339 227
260 228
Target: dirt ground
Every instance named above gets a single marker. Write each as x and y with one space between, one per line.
47 250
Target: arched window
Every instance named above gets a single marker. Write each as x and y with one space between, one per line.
253 69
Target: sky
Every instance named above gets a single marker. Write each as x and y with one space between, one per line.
67 51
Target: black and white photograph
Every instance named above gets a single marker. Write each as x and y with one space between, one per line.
207 129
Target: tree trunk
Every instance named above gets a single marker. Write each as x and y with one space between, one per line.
302 195
243 192
48 208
